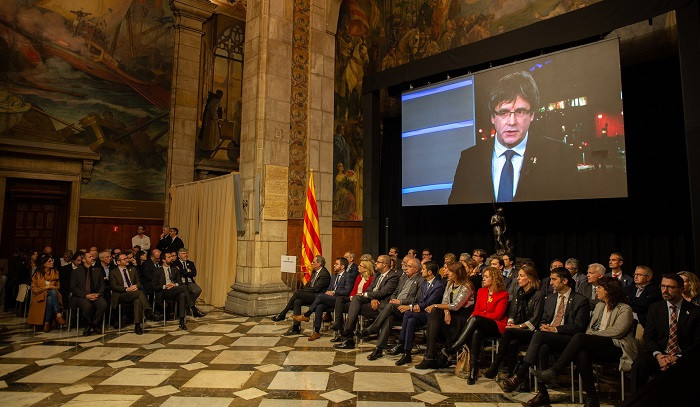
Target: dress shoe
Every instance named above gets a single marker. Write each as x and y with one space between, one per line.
182 324
337 338
346 344
87 330
442 361
197 313
491 372
592 402
153 315
300 318
473 374
60 319
548 376
427 363
364 333
47 327
512 383
541 398
96 329
294 330
327 318
406 358
278 318
137 329
376 354
396 350
314 336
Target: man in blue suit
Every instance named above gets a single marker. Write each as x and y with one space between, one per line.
341 285
431 292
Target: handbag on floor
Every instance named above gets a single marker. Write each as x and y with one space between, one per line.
462 367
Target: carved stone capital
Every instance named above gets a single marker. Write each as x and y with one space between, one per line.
87 171
190 14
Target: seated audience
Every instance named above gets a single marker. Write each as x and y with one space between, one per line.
87 288
431 292
426 255
642 293
691 287
588 288
167 284
67 258
509 271
571 264
176 243
526 309
188 271
320 277
141 239
125 283
448 317
473 272
480 255
609 338
46 299
672 330
165 240
544 284
405 293
449 258
65 274
342 303
565 314
340 286
488 320
615 263
367 304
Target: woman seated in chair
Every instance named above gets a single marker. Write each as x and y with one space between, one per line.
526 310
488 320
46 300
609 337
447 318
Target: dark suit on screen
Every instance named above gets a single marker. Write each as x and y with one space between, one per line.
548 172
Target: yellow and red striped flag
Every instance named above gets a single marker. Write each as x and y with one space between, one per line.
311 239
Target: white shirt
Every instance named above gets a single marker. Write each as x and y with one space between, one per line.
360 286
498 159
144 242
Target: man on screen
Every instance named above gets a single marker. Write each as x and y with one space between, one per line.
516 165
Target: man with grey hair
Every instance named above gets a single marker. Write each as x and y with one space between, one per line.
320 277
595 272
571 264
352 267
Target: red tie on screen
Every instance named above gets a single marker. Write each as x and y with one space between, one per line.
673 332
560 313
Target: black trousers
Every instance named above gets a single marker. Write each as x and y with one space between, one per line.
439 331
509 345
92 311
299 298
181 295
138 299
541 346
342 305
644 367
384 322
475 331
358 306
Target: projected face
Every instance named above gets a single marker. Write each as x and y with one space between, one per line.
512 120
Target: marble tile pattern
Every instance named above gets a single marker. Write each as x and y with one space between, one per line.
212 366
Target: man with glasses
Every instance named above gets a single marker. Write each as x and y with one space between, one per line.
642 294
426 256
320 277
126 285
479 256
672 330
515 165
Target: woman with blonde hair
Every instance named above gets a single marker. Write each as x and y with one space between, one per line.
447 318
526 309
691 287
46 299
449 259
342 304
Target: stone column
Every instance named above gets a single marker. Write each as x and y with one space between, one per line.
189 16
264 159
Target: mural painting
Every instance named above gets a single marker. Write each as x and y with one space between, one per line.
374 35
93 73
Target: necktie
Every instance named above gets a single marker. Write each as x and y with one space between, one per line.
505 185
184 269
313 280
87 282
170 275
335 285
379 282
126 278
673 332
560 313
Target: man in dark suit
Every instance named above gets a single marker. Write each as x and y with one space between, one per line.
672 330
516 165
148 271
342 282
414 314
615 264
587 288
565 314
320 277
176 243
188 271
405 294
642 294
125 283
165 240
88 287
367 304
65 274
168 285
352 267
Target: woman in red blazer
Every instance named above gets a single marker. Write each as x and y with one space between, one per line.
487 321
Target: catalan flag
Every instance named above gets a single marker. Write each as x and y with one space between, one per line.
311 240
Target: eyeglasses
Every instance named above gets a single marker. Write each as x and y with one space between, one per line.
425 254
641 275
383 262
668 287
519 113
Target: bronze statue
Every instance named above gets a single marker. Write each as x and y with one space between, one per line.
498 223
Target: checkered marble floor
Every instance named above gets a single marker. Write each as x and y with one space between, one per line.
222 360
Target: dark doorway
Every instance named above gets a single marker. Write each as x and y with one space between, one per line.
35 215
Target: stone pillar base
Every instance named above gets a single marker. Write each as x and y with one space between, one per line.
253 301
